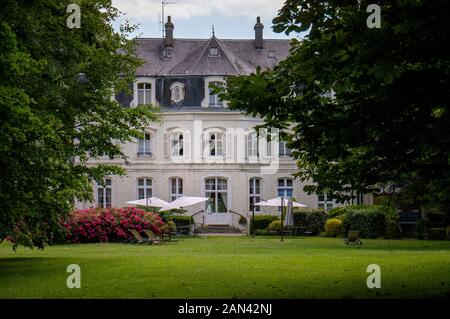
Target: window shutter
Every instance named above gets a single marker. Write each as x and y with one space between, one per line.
229 146
187 144
204 151
166 146
247 137
269 148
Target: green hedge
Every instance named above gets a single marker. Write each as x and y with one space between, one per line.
181 220
371 221
262 221
312 219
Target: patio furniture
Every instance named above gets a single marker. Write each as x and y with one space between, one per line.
353 238
137 238
151 237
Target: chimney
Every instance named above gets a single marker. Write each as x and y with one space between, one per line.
168 40
258 34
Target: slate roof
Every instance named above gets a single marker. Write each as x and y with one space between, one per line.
192 56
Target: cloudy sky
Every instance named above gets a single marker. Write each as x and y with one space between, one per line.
194 18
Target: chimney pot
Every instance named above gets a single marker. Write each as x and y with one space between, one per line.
258 34
168 40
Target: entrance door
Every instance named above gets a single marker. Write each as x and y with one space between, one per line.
216 189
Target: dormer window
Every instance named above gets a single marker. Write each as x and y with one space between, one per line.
177 92
214 99
167 53
213 51
272 54
144 93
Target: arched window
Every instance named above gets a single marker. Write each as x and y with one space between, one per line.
177 143
176 188
104 193
254 193
283 149
216 189
252 145
215 142
177 92
144 188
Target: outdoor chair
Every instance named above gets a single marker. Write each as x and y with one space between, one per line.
137 238
151 237
353 238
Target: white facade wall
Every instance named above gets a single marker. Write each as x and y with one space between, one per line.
161 168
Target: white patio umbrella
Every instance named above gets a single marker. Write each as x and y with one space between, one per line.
184 201
154 202
289 218
276 202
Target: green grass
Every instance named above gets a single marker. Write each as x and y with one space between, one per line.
227 267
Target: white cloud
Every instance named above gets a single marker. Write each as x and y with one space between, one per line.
150 10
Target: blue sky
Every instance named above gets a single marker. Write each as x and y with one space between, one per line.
194 18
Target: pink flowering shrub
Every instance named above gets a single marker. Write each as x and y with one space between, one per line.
109 224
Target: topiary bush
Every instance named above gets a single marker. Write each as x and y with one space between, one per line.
337 211
262 222
182 220
370 221
333 227
109 224
275 226
169 227
312 219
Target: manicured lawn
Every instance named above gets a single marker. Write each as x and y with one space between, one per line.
226 267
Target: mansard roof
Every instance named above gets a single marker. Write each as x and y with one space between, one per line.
192 56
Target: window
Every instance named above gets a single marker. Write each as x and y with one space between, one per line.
285 188
176 188
217 192
177 144
271 54
252 144
144 188
104 193
144 93
213 51
283 149
215 144
214 100
254 193
144 146
325 201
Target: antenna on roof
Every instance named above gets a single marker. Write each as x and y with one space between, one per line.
162 21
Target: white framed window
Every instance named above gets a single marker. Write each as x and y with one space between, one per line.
285 187
104 193
216 189
325 201
271 54
145 145
144 188
215 142
254 193
213 51
176 188
283 150
144 91
252 145
177 144
214 100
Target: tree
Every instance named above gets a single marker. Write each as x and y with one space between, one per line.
362 107
56 111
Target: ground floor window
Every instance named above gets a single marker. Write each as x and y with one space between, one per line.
144 188
254 193
285 187
216 189
325 201
104 193
176 188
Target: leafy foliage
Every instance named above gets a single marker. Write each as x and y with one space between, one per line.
333 227
361 107
312 219
56 110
